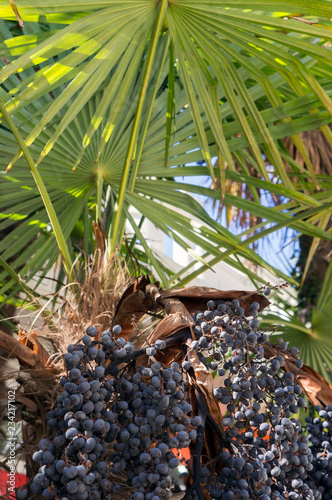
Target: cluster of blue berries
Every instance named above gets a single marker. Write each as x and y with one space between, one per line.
269 457
319 431
114 435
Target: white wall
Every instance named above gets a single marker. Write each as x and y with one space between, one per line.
223 276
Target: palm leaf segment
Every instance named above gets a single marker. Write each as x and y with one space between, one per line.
92 88
313 338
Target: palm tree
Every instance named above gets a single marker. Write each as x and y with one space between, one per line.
104 105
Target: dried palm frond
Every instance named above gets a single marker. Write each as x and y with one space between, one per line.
319 150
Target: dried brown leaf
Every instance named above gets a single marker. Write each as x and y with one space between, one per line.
139 283
204 382
134 304
16 12
100 237
17 349
42 357
313 384
195 297
132 309
30 405
168 326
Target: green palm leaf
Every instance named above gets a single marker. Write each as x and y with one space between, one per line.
100 91
314 340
